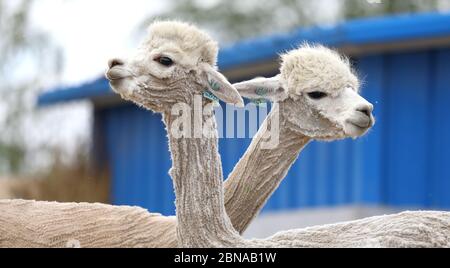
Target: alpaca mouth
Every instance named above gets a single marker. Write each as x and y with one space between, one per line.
357 128
362 122
360 127
115 74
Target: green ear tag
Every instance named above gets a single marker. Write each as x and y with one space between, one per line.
208 95
214 85
261 91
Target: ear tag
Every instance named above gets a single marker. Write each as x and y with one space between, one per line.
214 85
208 95
261 91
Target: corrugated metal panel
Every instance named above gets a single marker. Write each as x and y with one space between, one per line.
440 137
369 169
407 103
403 161
138 158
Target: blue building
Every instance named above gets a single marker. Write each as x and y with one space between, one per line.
403 162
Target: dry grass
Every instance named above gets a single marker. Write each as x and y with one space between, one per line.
75 183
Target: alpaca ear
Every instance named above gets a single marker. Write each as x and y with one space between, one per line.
219 86
262 88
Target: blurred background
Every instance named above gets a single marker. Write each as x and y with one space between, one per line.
66 137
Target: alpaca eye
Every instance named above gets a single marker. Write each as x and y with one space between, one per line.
317 95
166 61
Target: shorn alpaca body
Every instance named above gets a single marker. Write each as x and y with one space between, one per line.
242 202
174 67
324 106
196 171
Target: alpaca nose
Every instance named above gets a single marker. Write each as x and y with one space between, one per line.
366 109
115 62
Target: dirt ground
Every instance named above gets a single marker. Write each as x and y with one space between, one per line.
60 186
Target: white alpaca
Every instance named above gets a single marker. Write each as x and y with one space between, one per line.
196 171
133 227
322 103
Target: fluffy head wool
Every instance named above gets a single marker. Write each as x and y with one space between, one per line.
183 38
308 66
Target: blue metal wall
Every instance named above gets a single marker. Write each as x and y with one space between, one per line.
403 161
138 158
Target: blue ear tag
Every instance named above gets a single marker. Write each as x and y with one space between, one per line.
208 95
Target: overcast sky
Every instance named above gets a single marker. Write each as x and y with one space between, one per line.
92 31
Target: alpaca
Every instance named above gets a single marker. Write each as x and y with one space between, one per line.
156 77
325 86
95 225
248 203
240 202
175 65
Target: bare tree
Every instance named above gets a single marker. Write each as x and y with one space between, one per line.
21 44
234 19
364 8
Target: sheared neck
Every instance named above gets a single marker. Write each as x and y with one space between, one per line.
261 170
198 181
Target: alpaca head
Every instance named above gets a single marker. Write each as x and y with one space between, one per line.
318 94
175 62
